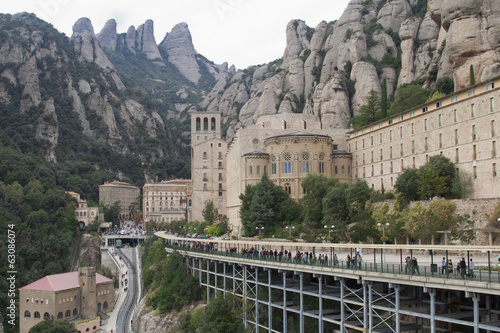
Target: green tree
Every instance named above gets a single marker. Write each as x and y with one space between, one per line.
316 186
445 85
53 326
445 168
409 96
472 76
262 205
436 95
210 213
267 205
430 183
369 112
220 316
462 185
169 282
112 212
246 201
383 101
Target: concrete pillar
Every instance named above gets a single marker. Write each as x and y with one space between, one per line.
432 296
301 275
269 301
475 299
397 301
370 309
285 318
234 280
199 271
208 282
320 300
215 293
365 306
256 300
224 281
245 295
342 305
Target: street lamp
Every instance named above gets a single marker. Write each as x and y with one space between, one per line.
383 229
260 229
290 229
329 230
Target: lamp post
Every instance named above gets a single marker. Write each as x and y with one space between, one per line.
383 229
329 230
290 229
260 229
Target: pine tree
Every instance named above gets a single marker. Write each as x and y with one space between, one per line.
472 77
383 101
262 205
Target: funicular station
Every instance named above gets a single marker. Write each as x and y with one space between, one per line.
376 292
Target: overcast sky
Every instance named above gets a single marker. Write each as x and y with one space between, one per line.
241 32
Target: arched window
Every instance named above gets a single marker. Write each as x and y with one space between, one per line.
59 315
198 124
273 165
46 315
105 305
287 157
321 163
305 163
36 314
68 313
27 314
212 124
205 124
75 312
288 188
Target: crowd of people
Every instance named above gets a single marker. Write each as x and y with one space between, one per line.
353 261
461 268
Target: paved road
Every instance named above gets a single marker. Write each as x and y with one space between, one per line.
128 307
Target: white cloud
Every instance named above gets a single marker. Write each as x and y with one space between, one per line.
241 32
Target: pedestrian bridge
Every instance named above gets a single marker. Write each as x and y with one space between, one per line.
375 292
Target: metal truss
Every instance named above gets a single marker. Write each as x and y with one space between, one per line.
346 303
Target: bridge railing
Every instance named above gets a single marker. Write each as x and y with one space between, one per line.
434 271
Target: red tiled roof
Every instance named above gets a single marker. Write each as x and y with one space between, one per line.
59 282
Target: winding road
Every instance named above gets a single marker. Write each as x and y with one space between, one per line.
127 309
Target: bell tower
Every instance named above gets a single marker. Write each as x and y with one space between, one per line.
88 298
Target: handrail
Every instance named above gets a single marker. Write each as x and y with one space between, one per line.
277 244
397 269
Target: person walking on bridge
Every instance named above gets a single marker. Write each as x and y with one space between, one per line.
443 266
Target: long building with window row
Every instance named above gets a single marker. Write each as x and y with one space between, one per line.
461 126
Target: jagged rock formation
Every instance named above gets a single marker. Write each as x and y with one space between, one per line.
108 35
180 51
58 88
177 48
335 66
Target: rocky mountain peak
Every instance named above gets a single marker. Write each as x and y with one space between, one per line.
178 44
146 40
83 27
108 35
